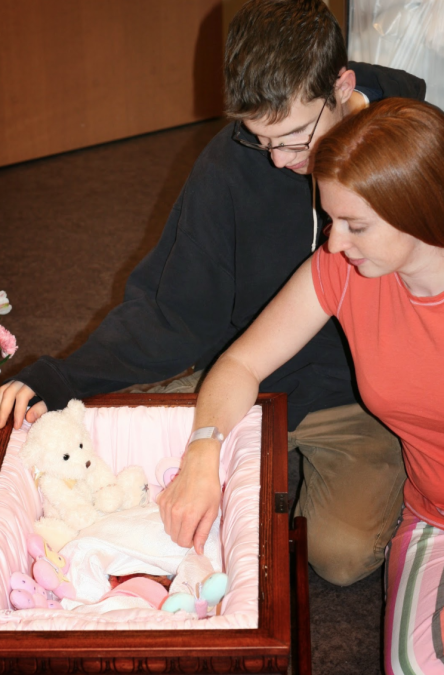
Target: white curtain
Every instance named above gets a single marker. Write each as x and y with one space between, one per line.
405 34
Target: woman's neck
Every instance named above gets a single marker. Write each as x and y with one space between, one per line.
426 278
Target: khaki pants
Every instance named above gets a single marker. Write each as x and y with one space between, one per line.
351 492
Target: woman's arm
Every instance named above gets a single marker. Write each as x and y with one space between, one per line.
190 504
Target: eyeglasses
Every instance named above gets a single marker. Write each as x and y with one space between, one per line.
298 147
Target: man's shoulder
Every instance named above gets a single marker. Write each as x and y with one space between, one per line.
221 145
221 156
387 82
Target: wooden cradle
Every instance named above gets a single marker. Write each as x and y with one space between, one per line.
268 648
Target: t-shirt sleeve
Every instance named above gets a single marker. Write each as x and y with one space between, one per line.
331 274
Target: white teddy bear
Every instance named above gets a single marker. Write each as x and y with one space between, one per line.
76 485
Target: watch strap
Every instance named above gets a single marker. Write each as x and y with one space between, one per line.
206 432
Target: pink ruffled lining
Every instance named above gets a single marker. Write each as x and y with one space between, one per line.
124 436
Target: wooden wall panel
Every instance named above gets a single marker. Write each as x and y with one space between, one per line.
75 73
339 9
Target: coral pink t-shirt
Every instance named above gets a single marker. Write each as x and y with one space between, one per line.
397 342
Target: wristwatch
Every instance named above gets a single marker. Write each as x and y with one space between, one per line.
206 432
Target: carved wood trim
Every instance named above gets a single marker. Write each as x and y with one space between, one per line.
186 665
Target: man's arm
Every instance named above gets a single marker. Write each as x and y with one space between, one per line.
390 81
177 305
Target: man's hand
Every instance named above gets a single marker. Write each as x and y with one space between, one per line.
190 504
20 394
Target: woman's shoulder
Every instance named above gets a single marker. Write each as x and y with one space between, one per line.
331 266
340 284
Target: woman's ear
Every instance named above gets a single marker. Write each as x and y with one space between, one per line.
345 85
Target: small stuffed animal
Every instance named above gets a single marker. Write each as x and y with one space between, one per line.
211 591
76 485
49 571
49 568
26 593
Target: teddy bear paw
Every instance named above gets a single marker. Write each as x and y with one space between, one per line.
83 516
132 480
108 499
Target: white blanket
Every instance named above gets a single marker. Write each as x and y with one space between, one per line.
127 542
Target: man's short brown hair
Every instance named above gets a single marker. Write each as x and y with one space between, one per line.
278 50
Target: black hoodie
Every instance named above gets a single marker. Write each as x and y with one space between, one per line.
237 232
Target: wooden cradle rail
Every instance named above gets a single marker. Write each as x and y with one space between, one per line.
271 648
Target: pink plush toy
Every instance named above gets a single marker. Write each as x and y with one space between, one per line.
27 594
49 571
49 568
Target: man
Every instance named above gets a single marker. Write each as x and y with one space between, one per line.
247 217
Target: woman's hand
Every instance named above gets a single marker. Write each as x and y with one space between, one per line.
20 394
190 504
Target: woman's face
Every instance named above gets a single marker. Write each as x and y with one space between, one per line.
367 241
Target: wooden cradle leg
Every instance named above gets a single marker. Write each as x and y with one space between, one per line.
300 606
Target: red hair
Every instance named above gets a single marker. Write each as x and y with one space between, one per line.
392 155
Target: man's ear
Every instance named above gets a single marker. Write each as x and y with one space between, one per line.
345 85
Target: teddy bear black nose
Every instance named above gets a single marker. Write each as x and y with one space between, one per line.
88 464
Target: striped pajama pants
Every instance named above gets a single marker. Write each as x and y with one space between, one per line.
414 617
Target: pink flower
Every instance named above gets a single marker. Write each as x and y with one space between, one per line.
8 344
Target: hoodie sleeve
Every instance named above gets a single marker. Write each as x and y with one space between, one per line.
390 81
177 303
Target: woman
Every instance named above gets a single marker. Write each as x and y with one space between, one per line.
381 178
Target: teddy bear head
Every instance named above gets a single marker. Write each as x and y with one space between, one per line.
59 444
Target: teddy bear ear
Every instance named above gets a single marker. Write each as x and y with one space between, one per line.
76 409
